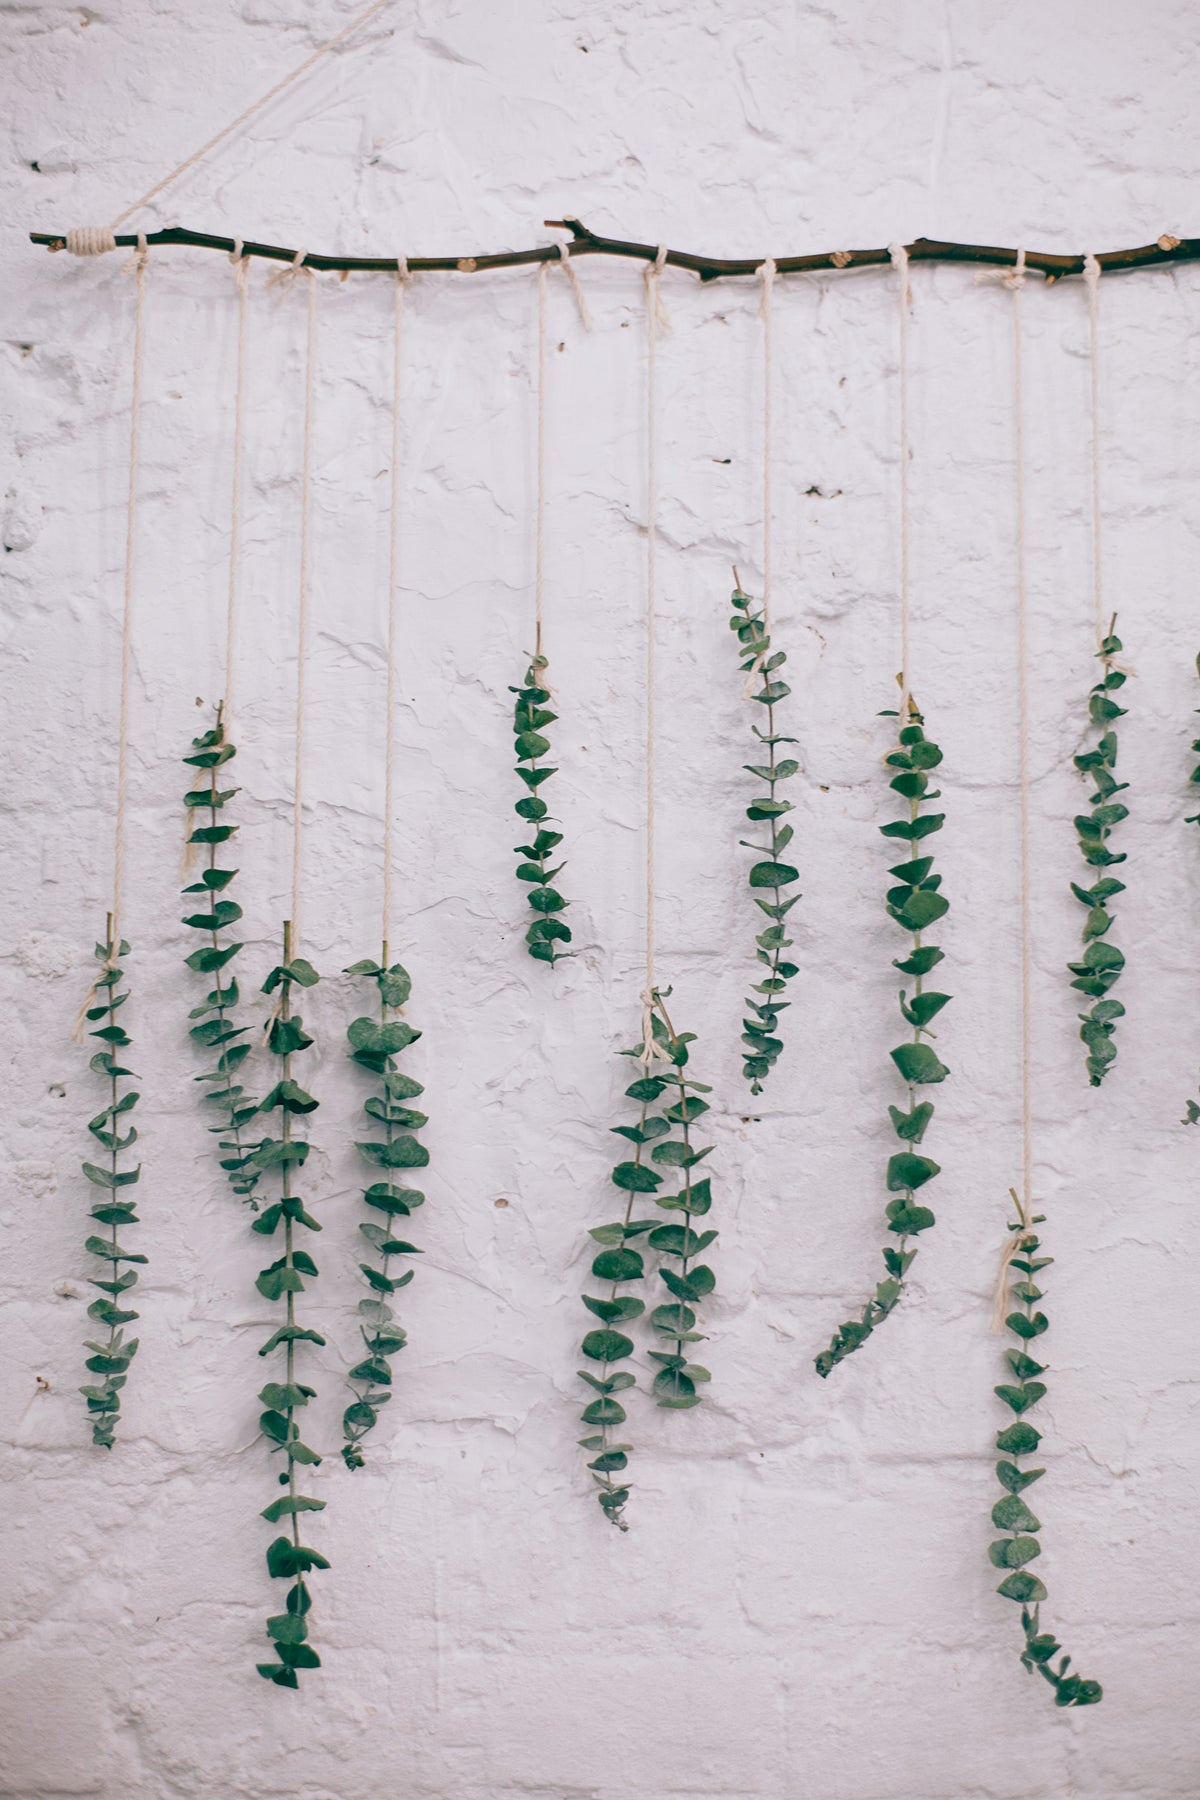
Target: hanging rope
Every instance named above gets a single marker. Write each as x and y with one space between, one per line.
94 240
766 275
1091 276
1014 280
569 270
241 270
137 265
655 318
389 752
302 618
899 256
539 555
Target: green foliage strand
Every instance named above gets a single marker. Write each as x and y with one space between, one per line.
915 904
769 875
669 1104
114 1206
547 931
1100 966
374 1045
214 1027
287 1558
1014 1552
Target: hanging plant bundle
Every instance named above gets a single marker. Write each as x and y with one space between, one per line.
1010 1514
768 878
915 904
287 1558
215 1028
1101 964
374 1045
665 1130
111 1358
547 932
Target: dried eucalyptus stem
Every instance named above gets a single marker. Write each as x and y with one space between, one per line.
547 932
374 1045
1011 1514
771 876
915 905
216 1028
111 1359
663 1054
287 1558
1101 964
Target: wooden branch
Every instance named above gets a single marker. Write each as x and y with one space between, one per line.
587 243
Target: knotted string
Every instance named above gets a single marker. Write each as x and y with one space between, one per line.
766 275
389 753
899 256
1091 275
654 323
302 610
241 270
539 553
569 270
137 266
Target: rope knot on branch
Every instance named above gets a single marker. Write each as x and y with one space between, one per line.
90 240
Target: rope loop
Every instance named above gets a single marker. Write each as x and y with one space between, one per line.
659 317
899 256
287 278
90 240
403 272
569 270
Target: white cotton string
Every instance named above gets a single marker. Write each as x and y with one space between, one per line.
286 278
389 752
568 268
766 274
243 117
1091 275
302 618
652 277
137 264
90 240
1014 280
899 256
240 274
539 554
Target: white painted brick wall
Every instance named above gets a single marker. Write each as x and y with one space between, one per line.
802 1610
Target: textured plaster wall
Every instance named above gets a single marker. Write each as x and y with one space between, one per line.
803 1608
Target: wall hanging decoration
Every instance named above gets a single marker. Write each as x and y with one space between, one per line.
663 1054
1101 964
915 904
287 1558
1015 1551
762 665
547 931
376 1042
111 1356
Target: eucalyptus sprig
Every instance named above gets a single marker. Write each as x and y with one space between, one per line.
1010 1514
111 1358
664 1056
374 1045
769 877
1101 964
915 904
287 1558
216 1028
547 932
